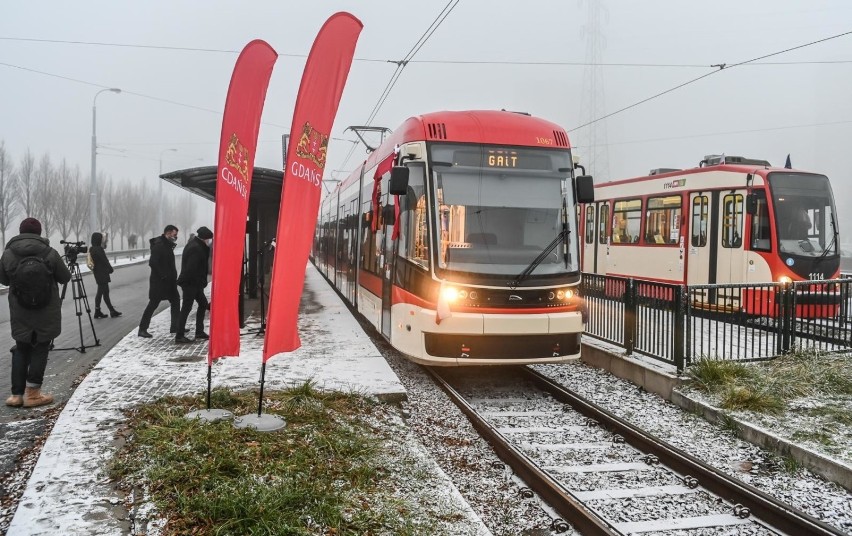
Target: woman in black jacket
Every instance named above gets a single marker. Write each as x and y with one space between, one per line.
101 269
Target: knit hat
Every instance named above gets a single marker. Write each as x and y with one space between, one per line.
204 233
30 225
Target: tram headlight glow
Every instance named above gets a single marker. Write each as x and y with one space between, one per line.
450 294
560 294
569 293
473 295
784 280
551 295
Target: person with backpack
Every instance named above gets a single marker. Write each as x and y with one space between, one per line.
163 280
101 268
32 270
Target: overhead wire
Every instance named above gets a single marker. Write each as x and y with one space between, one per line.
720 67
401 64
710 134
134 93
434 61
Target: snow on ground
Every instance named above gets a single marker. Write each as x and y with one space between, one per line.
69 492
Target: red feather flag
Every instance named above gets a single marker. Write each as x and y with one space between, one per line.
326 71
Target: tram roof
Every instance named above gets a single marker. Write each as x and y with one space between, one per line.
503 128
265 183
761 171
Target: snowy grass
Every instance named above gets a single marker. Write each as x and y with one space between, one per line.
319 475
770 387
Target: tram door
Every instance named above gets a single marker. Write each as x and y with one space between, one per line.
602 239
589 241
731 261
388 257
698 259
595 237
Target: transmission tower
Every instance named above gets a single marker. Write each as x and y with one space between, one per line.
594 152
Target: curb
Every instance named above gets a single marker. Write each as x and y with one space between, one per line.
666 385
828 468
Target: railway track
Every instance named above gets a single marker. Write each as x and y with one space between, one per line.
600 473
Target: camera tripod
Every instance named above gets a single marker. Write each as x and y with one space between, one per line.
81 302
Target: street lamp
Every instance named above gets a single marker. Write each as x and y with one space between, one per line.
160 189
93 191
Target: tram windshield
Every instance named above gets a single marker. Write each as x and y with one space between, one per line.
500 207
805 214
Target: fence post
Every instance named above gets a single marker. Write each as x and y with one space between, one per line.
679 325
630 299
844 286
786 315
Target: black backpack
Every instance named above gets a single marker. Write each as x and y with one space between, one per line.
33 281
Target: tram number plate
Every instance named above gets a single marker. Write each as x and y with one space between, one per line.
816 276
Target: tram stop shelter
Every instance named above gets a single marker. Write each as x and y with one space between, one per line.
261 224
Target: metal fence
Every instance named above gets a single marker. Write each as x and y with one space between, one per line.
678 324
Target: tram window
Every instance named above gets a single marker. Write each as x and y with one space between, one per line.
662 220
699 221
417 218
590 224
626 221
760 240
603 221
732 221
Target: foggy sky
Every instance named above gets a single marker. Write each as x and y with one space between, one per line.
54 115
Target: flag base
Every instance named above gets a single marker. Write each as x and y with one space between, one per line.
210 415
261 423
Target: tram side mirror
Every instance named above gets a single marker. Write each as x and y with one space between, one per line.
751 204
388 215
398 180
585 189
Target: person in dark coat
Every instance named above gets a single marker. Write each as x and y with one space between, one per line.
102 269
32 329
193 280
163 280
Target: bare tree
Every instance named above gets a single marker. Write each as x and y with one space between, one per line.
26 182
188 212
110 211
8 190
63 208
147 217
128 204
81 204
44 196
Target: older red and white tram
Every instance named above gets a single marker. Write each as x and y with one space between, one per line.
732 220
456 240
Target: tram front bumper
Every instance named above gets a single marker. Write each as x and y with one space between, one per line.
546 337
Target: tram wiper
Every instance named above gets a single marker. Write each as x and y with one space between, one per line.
561 237
830 244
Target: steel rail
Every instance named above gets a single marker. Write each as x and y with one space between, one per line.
778 515
568 506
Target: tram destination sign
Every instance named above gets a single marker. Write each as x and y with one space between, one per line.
503 158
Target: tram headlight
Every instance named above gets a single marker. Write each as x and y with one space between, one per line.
463 294
784 280
560 294
450 294
569 293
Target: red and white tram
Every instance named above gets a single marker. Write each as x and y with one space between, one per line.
456 240
732 220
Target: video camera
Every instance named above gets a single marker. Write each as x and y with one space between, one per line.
72 249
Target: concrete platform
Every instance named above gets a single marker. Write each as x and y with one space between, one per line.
69 492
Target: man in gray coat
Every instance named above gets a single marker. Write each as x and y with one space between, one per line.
32 328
